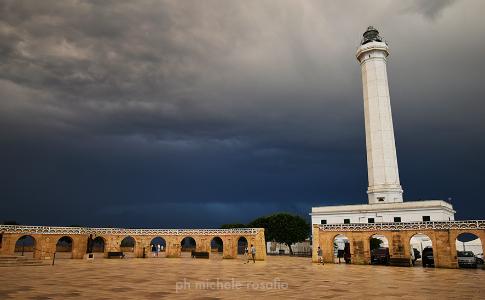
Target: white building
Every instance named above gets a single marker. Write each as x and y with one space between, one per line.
409 211
384 190
298 248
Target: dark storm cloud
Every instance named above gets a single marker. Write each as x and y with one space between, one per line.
179 113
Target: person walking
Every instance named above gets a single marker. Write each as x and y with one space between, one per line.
253 253
320 256
246 255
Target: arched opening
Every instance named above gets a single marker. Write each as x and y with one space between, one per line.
379 250
25 246
341 247
421 250
127 246
64 247
242 245
98 246
217 246
469 250
158 247
187 246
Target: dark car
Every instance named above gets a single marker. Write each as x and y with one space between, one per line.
379 256
479 258
428 258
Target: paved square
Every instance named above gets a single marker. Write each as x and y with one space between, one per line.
278 277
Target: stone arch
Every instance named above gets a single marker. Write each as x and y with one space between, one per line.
99 244
386 240
342 248
379 249
187 245
217 245
469 249
158 246
242 243
421 242
64 247
479 233
25 246
128 245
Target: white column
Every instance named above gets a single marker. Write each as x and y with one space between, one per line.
383 173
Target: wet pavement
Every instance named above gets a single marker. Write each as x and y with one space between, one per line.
278 277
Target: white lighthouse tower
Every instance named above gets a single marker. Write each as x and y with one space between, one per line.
384 190
383 173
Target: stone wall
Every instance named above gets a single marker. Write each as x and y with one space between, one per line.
443 243
45 244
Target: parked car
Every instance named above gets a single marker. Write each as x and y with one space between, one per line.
380 256
479 258
428 258
466 259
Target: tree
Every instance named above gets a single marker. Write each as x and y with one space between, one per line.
235 225
9 222
261 222
283 228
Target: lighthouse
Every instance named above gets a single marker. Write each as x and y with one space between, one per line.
384 192
382 168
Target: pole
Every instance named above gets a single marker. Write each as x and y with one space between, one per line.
23 244
53 258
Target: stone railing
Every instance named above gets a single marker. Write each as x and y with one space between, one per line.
444 225
122 231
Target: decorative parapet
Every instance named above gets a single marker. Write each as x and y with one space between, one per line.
122 231
444 225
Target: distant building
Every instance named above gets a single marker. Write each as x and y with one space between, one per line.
384 190
274 248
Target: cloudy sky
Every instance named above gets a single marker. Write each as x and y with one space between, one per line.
198 113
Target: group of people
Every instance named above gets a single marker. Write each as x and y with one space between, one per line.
253 254
156 249
341 253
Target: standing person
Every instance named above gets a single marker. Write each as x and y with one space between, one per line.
347 253
246 255
320 255
154 249
158 249
341 250
253 253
